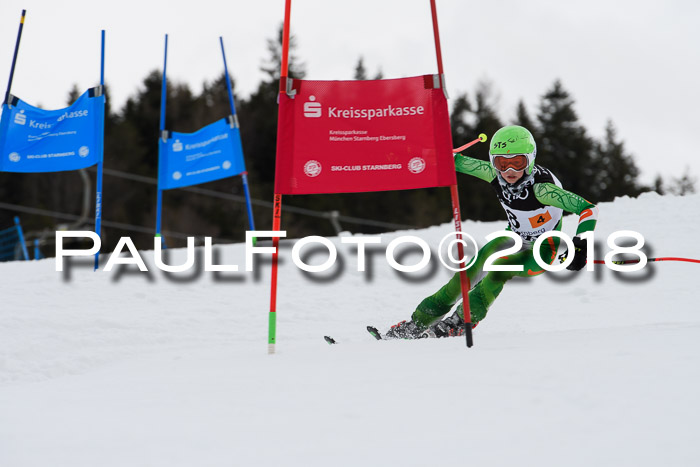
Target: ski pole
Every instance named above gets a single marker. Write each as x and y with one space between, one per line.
562 258
482 137
650 260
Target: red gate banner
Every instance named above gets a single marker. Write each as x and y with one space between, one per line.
357 136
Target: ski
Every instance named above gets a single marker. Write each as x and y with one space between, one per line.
372 330
375 333
427 334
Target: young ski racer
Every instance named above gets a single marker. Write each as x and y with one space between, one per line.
534 202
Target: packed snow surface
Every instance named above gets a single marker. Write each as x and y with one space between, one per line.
126 368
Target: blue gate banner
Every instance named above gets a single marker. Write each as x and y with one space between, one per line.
37 140
212 153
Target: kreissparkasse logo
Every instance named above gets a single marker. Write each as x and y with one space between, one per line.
20 118
312 109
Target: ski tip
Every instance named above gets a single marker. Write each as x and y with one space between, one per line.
330 340
375 333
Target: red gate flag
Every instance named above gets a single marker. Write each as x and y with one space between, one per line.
357 136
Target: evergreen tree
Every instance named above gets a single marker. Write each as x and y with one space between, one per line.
468 121
360 70
522 118
484 117
616 173
142 113
684 185
296 69
461 129
563 144
659 185
258 116
73 94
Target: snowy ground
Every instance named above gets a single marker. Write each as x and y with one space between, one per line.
125 368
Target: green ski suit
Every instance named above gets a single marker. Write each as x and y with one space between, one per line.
534 205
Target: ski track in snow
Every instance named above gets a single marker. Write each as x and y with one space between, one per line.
134 369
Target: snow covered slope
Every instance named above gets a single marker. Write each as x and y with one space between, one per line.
125 368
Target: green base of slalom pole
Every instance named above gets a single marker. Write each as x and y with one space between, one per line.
272 333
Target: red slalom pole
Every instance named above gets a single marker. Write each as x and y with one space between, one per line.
272 321
436 34
285 46
457 217
277 209
482 137
463 278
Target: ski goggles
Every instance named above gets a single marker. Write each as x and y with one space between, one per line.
515 162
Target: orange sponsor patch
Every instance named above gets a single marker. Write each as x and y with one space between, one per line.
540 219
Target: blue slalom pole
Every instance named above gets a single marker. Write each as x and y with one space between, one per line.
159 201
244 175
163 97
163 90
98 188
228 78
251 224
14 58
20 235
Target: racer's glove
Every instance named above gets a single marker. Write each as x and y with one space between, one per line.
580 252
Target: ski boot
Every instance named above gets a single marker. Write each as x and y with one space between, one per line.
404 330
449 327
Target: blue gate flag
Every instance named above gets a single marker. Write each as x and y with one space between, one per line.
211 153
37 140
